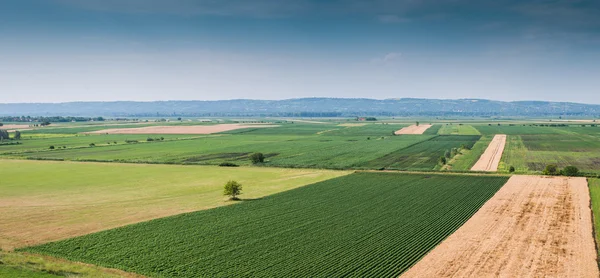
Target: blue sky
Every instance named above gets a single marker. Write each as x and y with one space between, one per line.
82 50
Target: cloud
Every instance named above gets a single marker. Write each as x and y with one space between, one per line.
387 58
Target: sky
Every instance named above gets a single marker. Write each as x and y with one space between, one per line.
146 50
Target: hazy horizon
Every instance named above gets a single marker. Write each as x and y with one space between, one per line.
157 50
284 99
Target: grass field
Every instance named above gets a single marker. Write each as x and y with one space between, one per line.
44 201
14 264
594 185
361 225
458 129
467 158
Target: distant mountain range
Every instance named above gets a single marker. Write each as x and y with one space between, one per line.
305 107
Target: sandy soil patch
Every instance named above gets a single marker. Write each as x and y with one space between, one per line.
490 159
12 128
197 129
533 227
413 129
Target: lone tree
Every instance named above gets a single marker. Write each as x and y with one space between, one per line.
447 154
417 124
442 160
232 189
257 158
570 171
17 135
551 169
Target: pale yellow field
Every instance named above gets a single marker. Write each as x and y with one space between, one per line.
47 201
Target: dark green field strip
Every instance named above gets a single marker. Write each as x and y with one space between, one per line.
423 155
35 144
361 225
563 142
529 129
433 130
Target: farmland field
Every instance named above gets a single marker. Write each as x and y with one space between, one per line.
45 201
361 225
533 227
458 129
467 158
531 153
423 155
594 185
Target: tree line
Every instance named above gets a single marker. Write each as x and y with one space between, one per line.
53 119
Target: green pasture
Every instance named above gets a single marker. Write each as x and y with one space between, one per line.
458 129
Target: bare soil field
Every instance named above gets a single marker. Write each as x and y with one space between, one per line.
199 129
490 159
533 227
12 128
413 129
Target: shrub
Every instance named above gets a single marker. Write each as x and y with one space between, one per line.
51 147
570 171
232 189
149 139
92 145
551 169
257 158
511 169
228 164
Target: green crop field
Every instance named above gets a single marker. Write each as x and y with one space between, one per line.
594 185
361 225
308 151
529 129
423 155
531 153
433 130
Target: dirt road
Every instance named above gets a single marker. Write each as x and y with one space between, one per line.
413 129
533 227
490 159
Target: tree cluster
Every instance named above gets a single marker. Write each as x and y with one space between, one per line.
53 119
553 170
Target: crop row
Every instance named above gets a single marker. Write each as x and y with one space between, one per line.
362 225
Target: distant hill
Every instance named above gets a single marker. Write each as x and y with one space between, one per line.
305 107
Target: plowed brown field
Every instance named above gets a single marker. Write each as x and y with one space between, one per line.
490 159
533 227
413 129
197 129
